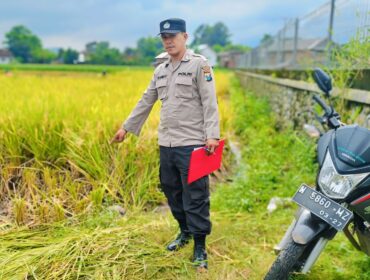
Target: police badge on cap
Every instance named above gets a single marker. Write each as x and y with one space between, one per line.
172 25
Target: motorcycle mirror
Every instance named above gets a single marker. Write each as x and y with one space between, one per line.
323 81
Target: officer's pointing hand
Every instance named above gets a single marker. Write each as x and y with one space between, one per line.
119 136
212 144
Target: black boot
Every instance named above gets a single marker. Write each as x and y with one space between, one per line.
200 260
181 240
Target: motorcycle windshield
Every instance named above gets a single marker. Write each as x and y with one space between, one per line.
353 145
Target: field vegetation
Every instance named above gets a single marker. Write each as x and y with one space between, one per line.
60 178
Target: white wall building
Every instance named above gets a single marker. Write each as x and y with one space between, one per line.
81 57
5 56
209 53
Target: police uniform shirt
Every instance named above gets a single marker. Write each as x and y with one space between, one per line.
189 112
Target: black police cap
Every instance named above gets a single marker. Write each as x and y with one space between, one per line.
172 25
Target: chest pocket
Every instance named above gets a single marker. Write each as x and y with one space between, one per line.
184 87
161 86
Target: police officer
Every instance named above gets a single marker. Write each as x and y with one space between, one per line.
184 83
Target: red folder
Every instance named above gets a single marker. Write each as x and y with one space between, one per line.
202 164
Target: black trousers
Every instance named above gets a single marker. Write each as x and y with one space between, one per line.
189 203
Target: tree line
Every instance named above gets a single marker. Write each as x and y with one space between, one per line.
27 47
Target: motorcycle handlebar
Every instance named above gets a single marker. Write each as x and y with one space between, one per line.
328 110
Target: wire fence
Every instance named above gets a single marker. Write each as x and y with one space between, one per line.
307 41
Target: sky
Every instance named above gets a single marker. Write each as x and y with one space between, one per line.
72 23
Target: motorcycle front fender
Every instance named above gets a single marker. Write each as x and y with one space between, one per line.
307 228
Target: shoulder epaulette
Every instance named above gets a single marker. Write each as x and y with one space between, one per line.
201 56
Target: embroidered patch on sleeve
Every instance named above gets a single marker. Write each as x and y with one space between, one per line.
207 73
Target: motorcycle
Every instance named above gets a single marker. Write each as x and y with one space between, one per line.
340 201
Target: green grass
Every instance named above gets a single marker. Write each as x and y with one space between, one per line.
104 245
275 163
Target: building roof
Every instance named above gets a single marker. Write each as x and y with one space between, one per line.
230 53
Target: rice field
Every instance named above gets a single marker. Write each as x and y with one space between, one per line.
60 175
55 156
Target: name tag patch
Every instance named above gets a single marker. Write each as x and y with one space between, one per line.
186 74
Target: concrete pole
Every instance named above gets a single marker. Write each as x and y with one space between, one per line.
283 33
279 52
330 31
331 21
295 50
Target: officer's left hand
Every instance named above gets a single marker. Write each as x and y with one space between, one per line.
212 144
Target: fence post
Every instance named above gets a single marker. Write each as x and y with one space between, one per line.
283 32
330 31
278 51
296 34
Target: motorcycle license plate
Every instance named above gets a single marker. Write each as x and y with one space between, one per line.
323 207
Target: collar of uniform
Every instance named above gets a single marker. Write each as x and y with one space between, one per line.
186 57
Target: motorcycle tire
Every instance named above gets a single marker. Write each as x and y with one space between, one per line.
286 262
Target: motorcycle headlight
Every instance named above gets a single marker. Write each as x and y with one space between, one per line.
334 184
